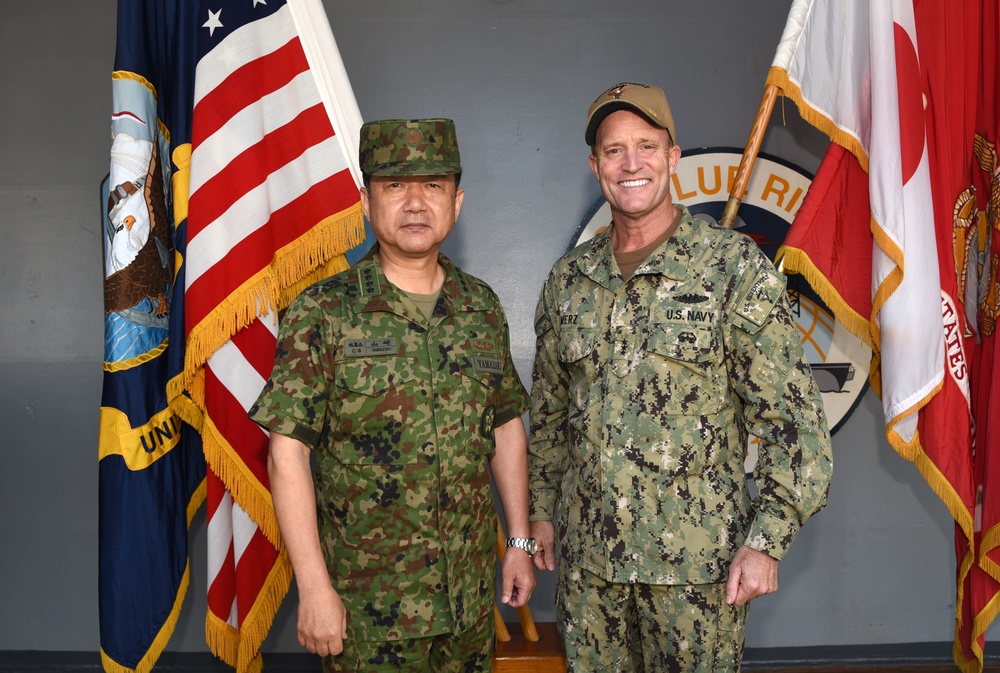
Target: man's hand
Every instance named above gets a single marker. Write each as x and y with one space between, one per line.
322 625
517 578
753 573
545 535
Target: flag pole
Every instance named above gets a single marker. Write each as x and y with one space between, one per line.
749 156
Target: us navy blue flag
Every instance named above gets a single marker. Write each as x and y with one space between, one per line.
151 465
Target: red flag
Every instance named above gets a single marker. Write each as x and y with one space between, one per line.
273 207
825 252
981 262
896 84
959 68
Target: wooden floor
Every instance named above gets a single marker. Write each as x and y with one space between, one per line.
541 657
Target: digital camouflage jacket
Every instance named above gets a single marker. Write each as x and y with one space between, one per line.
400 412
644 393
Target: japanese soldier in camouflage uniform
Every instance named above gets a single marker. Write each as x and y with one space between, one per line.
396 376
662 344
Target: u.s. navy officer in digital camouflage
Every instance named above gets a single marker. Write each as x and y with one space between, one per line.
397 374
662 344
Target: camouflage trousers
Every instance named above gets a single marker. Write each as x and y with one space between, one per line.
642 628
470 651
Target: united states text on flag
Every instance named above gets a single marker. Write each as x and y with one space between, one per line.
894 86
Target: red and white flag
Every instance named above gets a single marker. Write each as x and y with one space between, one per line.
894 85
853 68
273 206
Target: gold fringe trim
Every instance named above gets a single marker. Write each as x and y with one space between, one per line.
261 615
966 665
887 245
989 541
241 649
980 624
159 643
888 286
795 260
222 639
247 491
891 282
122 365
944 490
875 374
960 513
184 406
779 77
316 255
305 260
910 450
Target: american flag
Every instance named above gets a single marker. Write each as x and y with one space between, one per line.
273 206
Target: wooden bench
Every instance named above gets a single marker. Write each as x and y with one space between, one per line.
526 647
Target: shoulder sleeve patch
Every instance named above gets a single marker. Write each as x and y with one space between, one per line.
756 304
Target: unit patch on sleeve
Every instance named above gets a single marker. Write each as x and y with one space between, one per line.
757 303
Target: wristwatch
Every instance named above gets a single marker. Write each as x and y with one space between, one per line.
527 544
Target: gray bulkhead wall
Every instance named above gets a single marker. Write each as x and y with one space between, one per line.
875 567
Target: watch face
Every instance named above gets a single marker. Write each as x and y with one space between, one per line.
532 546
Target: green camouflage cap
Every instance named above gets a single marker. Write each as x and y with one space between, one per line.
410 147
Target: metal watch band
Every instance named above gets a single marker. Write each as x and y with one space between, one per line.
526 544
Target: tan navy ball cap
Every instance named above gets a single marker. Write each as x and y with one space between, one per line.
410 147
647 100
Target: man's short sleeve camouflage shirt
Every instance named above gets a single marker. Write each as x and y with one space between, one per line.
400 411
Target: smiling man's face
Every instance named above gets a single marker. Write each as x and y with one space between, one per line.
633 161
